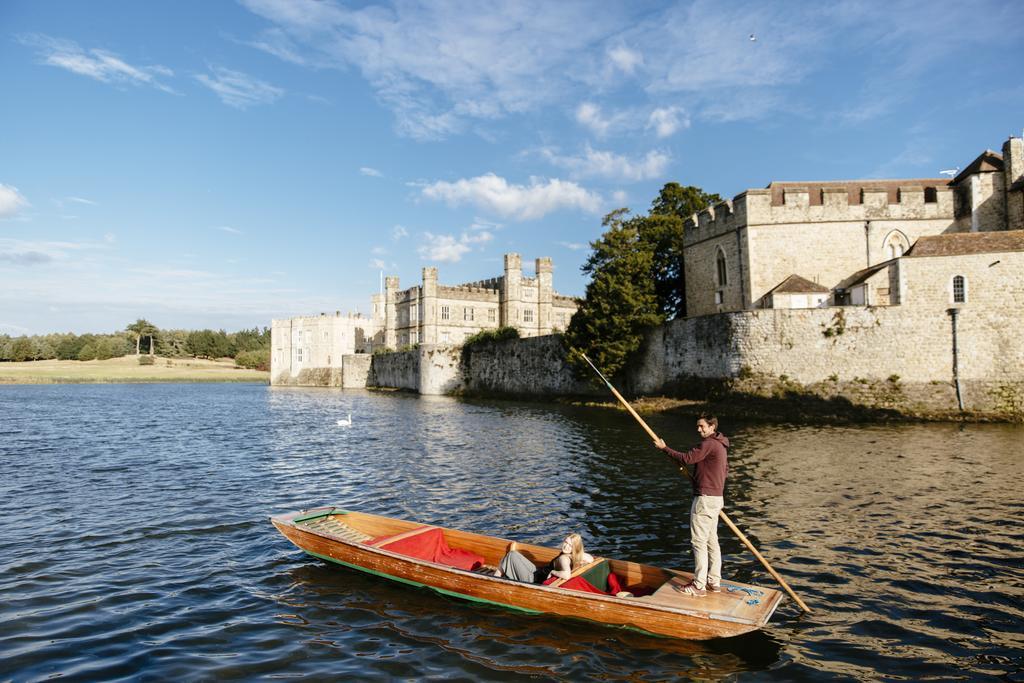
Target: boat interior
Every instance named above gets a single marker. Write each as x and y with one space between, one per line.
645 582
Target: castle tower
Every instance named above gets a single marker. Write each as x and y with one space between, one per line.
428 298
1013 168
391 312
511 291
545 293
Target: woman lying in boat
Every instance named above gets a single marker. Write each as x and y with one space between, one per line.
515 566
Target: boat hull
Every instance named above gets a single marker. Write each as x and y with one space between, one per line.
684 620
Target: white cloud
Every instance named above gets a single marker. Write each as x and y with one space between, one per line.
101 65
379 251
439 66
377 264
372 172
78 200
603 164
447 248
30 253
667 120
238 89
229 229
574 246
625 59
398 232
519 202
443 66
590 116
11 201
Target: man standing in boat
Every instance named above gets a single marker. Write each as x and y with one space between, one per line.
711 462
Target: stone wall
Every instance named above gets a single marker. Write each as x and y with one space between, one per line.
889 357
534 366
399 370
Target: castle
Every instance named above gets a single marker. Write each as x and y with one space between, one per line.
432 313
806 245
312 348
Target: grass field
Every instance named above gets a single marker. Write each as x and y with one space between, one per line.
127 369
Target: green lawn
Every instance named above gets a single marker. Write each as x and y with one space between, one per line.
127 369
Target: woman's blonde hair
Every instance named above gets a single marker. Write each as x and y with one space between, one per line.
576 556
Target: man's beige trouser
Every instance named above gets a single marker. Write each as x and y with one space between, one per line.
707 556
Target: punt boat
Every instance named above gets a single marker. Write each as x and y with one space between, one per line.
461 564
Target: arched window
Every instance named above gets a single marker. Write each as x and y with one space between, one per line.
723 273
895 244
959 289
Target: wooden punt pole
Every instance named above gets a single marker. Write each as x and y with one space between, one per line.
721 513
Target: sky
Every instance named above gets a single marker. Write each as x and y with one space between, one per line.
219 164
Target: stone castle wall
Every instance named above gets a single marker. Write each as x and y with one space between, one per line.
824 233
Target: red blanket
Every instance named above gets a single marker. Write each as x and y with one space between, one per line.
431 546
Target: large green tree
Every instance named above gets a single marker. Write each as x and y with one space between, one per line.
620 302
662 231
637 278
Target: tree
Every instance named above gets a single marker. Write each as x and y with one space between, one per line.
662 230
676 200
142 328
620 303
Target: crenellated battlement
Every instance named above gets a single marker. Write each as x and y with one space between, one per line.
822 202
455 290
490 283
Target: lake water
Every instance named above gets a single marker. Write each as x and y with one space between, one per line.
134 540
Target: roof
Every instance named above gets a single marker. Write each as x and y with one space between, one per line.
964 243
853 188
794 284
986 161
862 275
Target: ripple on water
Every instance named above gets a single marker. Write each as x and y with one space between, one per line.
134 540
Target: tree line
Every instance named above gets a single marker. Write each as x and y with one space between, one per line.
250 348
637 279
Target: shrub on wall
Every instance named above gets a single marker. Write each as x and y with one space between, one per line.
147 360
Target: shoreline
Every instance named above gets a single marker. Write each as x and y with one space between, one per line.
128 370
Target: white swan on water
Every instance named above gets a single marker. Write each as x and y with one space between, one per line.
346 422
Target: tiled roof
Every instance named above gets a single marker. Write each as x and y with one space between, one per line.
986 161
862 275
964 243
794 284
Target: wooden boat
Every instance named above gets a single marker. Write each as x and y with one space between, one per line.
360 541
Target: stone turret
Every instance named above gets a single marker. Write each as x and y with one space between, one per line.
511 292
428 324
1013 168
390 311
545 292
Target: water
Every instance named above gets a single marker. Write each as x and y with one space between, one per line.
134 541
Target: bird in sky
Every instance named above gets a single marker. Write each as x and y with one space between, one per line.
753 38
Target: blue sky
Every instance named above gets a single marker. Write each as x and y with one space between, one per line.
217 164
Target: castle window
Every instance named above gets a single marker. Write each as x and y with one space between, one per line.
445 338
527 315
719 297
446 313
298 355
895 244
490 315
467 313
931 195
959 289
723 275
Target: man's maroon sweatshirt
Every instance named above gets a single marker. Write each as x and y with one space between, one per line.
712 463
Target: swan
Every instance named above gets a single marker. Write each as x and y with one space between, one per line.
347 422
